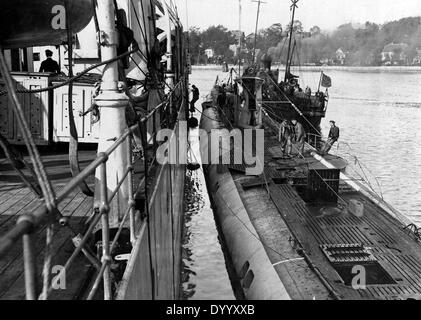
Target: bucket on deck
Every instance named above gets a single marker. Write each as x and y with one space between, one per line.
356 208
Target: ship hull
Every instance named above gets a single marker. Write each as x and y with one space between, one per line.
154 269
258 279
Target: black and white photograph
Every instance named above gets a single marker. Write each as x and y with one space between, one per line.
210 154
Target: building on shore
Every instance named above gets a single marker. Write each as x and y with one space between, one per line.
395 54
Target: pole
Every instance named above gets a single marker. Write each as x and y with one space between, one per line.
112 102
240 36
293 6
255 30
169 74
320 81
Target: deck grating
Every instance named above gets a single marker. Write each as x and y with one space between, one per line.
396 251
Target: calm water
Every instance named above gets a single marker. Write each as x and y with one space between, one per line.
379 114
205 273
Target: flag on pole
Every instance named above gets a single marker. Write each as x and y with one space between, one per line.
326 81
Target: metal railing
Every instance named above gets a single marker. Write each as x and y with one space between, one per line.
31 222
315 140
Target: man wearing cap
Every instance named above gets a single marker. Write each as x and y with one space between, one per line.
332 138
49 65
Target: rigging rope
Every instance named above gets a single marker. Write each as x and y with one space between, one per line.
45 184
73 79
18 163
73 139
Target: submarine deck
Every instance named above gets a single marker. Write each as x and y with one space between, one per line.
318 249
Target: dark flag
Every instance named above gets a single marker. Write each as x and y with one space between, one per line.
326 81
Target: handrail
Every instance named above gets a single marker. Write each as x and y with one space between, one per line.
35 218
31 221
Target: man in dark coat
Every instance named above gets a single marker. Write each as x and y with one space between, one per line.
196 94
299 136
49 65
285 133
332 138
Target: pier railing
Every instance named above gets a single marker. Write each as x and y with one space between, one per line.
31 222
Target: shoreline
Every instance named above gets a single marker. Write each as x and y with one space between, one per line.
323 68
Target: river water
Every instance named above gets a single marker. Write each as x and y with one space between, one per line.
379 115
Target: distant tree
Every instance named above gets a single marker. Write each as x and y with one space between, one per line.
297 27
272 36
195 44
315 31
218 38
362 44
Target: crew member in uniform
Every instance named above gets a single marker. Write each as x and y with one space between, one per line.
49 65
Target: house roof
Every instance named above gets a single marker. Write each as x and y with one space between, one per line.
391 47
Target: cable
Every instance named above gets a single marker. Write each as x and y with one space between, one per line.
244 224
56 86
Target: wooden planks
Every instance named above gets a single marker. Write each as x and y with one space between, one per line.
16 200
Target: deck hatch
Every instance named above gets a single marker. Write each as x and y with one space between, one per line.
345 257
347 253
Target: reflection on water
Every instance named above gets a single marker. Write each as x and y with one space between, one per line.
205 273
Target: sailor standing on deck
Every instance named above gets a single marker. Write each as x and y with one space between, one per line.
285 132
333 137
49 65
196 94
299 136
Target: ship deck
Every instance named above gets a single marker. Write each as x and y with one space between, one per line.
16 199
296 234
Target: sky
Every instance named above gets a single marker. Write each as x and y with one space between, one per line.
327 14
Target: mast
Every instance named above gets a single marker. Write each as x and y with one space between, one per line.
292 53
255 30
287 68
112 103
239 38
169 74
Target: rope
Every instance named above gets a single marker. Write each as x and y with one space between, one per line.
244 224
17 162
295 107
47 190
313 128
45 185
73 142
142 31
320 134
73 79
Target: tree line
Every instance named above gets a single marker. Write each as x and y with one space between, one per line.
354 45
